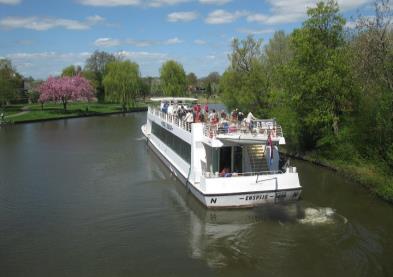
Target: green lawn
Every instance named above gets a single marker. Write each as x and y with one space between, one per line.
30 112
12 109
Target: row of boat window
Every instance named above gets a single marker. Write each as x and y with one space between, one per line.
182 148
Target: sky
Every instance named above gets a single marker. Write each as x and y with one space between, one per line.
41 37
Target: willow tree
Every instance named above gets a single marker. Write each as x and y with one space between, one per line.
122 82
173 78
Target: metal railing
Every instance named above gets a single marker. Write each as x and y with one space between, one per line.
173 119
243 174
257 128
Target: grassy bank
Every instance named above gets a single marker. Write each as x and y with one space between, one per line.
33 112
370 174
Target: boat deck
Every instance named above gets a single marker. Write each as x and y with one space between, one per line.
257 131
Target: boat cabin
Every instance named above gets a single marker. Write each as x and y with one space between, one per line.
232 147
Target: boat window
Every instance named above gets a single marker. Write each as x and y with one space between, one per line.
225 157
237 159
182 148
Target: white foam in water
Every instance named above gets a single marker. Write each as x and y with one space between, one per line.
316 216
141 138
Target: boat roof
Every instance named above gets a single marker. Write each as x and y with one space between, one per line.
183 99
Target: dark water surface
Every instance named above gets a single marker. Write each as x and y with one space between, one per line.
85 197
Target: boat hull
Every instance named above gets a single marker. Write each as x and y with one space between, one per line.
227 200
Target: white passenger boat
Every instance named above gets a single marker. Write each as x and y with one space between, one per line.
226 164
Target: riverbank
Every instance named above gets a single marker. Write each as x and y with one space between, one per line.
34 113
367 173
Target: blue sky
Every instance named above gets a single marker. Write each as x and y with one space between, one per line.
43 36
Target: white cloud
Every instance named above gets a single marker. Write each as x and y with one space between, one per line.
115 3
346 5
43 24
276 19
255 31
142 55
289 11
107 42
173 41
111 42
214 2
43 64
95 19
257 17
10 2
199 42
223 17
140 43
182 16
159 3
110 3
47 55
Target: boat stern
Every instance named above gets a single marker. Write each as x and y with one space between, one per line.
248 191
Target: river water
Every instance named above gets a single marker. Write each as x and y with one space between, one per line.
85 197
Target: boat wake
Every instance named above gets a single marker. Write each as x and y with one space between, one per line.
320 216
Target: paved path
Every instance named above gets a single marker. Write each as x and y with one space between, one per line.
16 114
24 109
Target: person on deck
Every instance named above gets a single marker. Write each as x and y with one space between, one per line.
189 119
234 114
249 119
223 115
240 117
213 117
225 172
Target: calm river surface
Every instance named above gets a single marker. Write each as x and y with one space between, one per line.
85 197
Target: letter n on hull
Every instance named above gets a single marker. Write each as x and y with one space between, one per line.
213 200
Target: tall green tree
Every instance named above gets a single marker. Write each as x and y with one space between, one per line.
10 82
173 78
319 76
192 79
246 84
372 46
71 70
122 82
277 54
96 64
212 83
245 53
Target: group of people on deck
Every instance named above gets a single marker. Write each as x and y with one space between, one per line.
198 113
217 120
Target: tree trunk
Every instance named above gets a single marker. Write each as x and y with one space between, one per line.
65 105
42 106
335 126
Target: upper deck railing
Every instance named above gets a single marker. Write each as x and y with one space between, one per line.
256 128
260 128
173 119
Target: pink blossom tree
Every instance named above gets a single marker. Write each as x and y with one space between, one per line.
64 89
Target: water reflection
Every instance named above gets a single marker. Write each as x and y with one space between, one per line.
255 238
